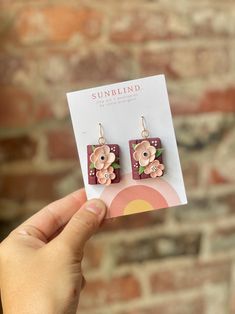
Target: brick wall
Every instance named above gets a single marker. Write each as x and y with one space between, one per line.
176 261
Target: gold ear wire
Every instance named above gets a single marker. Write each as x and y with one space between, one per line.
101 140
145 131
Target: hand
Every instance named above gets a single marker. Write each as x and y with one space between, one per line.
40 261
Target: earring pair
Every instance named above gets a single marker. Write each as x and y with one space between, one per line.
104 159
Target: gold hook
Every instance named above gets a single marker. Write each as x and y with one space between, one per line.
145 131
101 138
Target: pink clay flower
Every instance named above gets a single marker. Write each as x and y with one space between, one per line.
101 157
105 176
144 153
154 169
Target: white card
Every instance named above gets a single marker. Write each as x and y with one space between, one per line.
119 107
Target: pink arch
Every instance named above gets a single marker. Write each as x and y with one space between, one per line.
135 192
159 186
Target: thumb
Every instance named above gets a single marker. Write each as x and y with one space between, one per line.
83 224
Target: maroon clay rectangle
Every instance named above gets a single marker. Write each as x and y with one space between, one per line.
154 141
92 179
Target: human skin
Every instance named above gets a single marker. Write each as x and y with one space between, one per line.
40 261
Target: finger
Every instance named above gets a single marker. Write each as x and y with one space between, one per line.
82 225
54 216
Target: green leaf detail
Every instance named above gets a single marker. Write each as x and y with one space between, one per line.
93 147
115 165
141 169
159 152
134 146
92 166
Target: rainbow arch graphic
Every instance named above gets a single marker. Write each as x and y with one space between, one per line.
138 196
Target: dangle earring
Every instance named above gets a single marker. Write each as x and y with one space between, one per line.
146 155
103 161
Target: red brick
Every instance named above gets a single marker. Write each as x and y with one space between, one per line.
140 25
56 23
232 304
52 104
102 65
232 301
230 201
56 65
53 66
134 221
116 289
33 66
61 144
207 207
34 186
223 239
161 246
196 62
218 100
17 148
19 108
188 277
191 173
212 21
16 107
182 104
43 111
9 65
212 100
176 306
197 133
216 178
7 14
93 255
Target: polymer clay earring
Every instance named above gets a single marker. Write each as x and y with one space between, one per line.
103 162
146 156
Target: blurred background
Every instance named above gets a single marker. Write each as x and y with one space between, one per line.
174 261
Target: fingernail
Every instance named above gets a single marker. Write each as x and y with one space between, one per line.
97 207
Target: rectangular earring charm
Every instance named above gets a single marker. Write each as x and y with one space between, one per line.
146 158
103 164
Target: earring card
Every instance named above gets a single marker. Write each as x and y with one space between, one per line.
119 108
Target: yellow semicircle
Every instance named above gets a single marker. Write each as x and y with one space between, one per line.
137 206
